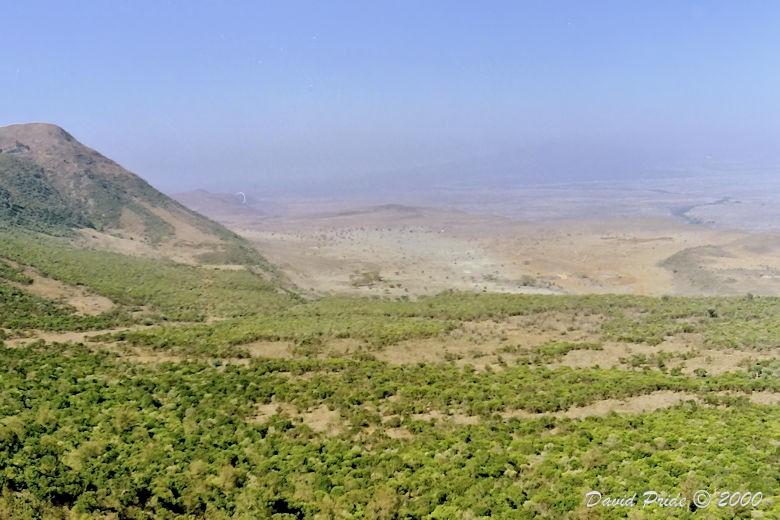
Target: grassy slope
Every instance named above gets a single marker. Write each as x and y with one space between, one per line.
177 291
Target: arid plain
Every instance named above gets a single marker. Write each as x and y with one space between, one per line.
675 237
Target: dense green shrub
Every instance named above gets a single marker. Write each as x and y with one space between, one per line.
87 432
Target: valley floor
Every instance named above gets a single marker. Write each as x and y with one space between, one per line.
394 253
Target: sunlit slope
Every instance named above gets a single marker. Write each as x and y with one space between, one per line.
85 244
137 286
50 182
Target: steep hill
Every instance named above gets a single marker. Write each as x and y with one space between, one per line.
51 183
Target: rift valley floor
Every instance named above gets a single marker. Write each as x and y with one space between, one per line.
675 237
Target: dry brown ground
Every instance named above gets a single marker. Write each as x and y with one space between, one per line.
768 398
79 298
130 238
29 336
407 251
131 244
320 419
630 405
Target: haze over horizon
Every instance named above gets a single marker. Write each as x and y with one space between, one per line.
315 96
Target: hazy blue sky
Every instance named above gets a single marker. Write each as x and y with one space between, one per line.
225 95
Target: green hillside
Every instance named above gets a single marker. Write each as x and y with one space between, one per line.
51 183
156 287
28 200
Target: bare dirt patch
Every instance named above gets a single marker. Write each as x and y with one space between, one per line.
184 231
268 410
131 222
537 328
398 433
342 347
721 361
487 342
65 337
128 244
686 352
79 298
48 337
609 357
460 350
455 418
320 419
765 398
631 405
149 356
270 349
769 398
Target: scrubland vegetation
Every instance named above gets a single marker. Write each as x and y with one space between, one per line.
206 427
170 290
